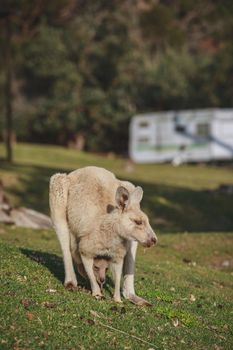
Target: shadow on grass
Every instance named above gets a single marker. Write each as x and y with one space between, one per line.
51 261
179 209
170 208
54 264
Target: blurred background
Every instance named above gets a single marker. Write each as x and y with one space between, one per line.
73 72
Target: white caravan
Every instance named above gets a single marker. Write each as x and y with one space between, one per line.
182 136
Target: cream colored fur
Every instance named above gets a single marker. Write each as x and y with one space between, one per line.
95 214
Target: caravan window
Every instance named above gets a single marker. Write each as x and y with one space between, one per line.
143 124
180 128
143 140
203 129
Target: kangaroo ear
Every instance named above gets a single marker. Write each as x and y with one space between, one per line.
122 197
136 195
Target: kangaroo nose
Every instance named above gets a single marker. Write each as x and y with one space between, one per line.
102 280
153 240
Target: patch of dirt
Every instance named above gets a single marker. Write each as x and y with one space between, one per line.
182 246
223 263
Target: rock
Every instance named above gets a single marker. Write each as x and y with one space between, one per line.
23 217
5 218
30 218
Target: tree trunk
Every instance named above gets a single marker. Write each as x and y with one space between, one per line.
8 92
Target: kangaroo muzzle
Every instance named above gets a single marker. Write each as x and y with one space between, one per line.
151 240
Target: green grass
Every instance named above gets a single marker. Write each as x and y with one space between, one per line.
33 318
176 199
188 277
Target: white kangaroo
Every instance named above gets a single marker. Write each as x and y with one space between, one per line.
96 215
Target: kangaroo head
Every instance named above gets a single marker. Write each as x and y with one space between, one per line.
132 223
100 268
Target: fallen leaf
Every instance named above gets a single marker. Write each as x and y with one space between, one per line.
27 302
94 313
216 347
50 290
226 263
48 304
90 322
222 337
46 334
30 316
192 297
175 322
21 278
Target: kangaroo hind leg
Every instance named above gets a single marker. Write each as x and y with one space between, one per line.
58 194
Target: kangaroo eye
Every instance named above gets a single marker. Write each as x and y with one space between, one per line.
138 222
96 268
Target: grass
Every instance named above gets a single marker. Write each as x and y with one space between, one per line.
188 277
176 199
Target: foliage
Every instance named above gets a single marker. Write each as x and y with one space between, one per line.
84 67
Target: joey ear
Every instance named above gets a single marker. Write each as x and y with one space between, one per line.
122 197
136 195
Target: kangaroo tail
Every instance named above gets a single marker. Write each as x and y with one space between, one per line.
58 194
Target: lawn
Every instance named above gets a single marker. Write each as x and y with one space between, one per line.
188 277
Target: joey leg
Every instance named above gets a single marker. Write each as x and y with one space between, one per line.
88 265
117 272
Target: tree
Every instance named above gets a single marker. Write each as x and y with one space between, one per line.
20 20
83 68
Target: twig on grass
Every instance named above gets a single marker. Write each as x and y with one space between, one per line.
39 320
125 333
